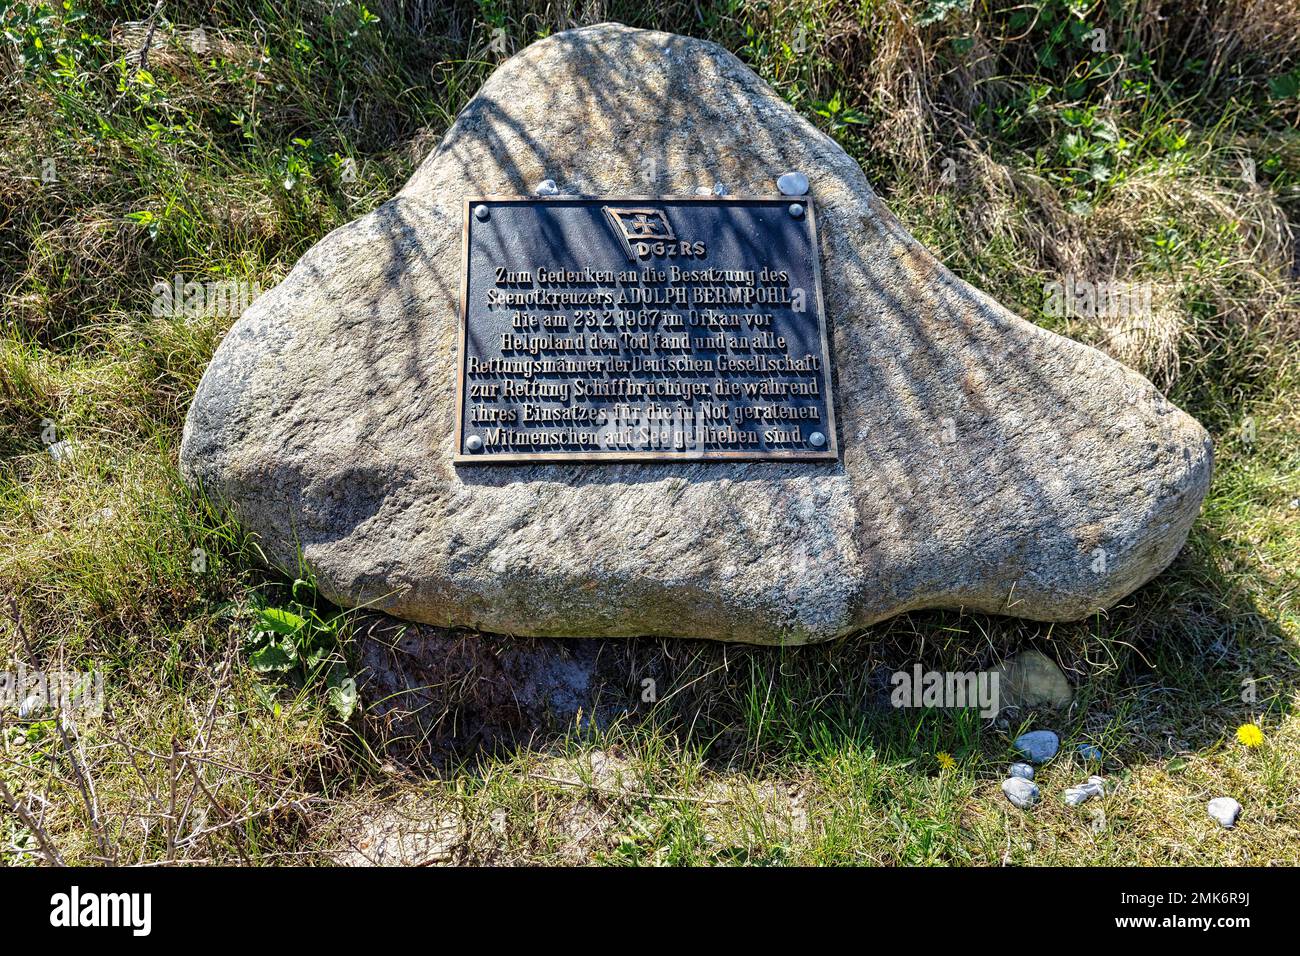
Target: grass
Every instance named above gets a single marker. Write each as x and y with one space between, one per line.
1010 138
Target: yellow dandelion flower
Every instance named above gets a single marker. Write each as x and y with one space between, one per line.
945 760
1250 735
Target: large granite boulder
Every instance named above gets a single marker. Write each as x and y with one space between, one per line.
985 462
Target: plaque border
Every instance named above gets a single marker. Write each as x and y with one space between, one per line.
829 453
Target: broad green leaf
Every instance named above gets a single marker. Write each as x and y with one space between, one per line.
280 620
272 658
343 698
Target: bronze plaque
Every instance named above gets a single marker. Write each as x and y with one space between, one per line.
642 329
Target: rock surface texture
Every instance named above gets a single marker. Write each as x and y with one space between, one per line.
986 463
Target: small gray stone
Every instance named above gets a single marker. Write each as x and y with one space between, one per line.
719 189
1090 752
1021 792
703 191
1094 787
1023 770
1224 810
1032 679
793 184
546 187
1039 746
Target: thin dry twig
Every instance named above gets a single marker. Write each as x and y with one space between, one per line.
84 784
52 856
143 56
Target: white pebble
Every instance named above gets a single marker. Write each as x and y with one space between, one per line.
547 187
1095 787
792 184
1021 792
1225 811
1023 770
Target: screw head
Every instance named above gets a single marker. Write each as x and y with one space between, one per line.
474 443
817 439
481 213
796 210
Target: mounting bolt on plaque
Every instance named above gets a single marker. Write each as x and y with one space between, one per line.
817 439
475 443
481 213
796 210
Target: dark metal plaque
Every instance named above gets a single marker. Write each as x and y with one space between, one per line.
642 329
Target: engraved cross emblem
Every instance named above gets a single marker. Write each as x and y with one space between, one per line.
634 225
